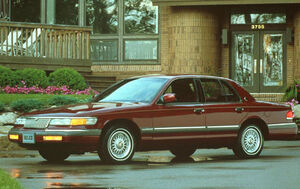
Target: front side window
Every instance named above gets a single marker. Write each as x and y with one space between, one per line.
184 90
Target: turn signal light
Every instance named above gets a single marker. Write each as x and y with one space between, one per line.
75 122
13 137
52 138
290 115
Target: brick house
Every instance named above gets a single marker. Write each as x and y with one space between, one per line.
256 42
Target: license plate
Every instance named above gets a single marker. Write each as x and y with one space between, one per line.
28 138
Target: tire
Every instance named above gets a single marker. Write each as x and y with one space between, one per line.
182 152
117 145
250 142
54 155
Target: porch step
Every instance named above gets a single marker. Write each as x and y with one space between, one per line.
99 82
270 97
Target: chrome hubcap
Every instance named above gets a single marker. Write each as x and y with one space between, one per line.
251 140
120 144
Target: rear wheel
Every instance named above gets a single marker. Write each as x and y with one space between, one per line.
182 152
54 155
117 145
250 142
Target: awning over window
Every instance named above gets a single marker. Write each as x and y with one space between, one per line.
221 2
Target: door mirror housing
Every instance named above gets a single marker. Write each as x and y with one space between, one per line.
168 98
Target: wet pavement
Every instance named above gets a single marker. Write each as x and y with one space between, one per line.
278 167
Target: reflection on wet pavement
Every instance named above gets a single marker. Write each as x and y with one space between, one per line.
95 174
70 185
63 173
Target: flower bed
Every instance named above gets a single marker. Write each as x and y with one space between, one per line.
49 90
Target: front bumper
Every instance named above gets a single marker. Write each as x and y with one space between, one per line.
83 139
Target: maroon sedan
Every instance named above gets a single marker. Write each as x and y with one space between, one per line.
177 113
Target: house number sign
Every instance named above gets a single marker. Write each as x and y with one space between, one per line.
257 26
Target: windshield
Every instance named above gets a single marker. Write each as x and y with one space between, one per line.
133 90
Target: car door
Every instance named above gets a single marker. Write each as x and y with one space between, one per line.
181 119
224 109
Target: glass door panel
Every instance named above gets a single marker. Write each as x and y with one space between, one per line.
243 57
272 55
258 60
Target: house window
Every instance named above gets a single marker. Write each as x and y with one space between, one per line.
140 50
66 12
26 11
140 17
124 31
102 15
258 18
104 50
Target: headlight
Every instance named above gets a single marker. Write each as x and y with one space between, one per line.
20 121
60 121
73 121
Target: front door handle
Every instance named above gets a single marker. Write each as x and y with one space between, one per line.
199 110
239 109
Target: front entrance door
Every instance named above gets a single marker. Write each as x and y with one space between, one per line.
258 60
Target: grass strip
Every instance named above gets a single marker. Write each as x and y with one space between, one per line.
7 182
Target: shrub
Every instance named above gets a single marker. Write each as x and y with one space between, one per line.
1 107
292 92
68 77
32 77
7 77
27 105
62 100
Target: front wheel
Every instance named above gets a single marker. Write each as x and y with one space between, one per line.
54 155
250 142
117 145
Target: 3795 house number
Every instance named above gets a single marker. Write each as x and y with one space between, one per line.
257 26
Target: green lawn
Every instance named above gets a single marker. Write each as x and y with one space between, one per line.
6 182
9 98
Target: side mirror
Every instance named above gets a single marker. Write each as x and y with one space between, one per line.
169 97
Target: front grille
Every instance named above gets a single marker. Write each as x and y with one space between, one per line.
36 123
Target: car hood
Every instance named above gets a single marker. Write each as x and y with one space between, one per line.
83 109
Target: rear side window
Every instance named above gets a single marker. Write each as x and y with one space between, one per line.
218 91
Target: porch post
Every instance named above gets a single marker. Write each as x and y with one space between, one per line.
50 10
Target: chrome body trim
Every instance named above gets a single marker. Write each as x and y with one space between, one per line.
67 132
179 129
282 125
190 129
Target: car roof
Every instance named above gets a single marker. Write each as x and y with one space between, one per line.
179 76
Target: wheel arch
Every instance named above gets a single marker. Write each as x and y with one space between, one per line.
126 122
258 122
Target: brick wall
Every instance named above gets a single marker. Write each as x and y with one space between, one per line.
190 41
296 62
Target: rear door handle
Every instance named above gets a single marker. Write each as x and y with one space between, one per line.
239 109
199 110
